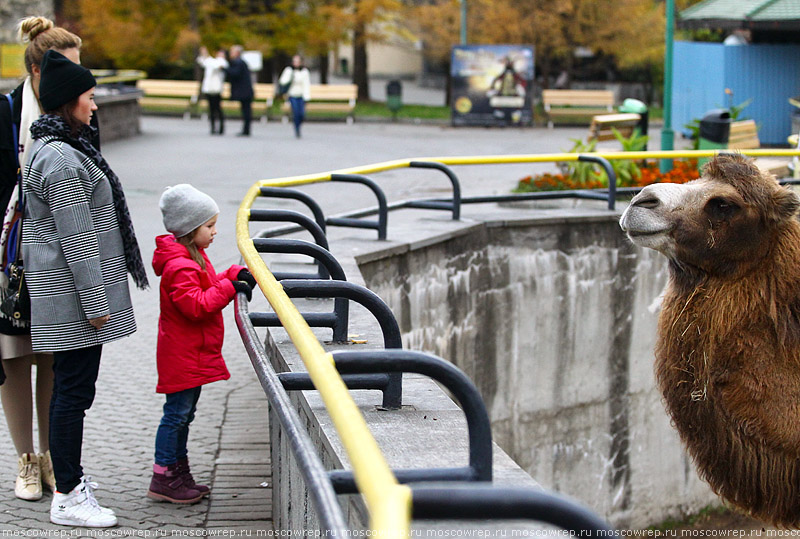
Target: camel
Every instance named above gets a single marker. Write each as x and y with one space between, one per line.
727 357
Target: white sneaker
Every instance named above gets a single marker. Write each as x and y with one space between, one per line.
87 480
29 483
80 508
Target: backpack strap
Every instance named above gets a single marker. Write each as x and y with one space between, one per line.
20 200
16 136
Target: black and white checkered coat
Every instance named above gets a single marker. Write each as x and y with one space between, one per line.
72 250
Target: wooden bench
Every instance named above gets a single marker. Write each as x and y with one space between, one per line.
328 98
603 125
576 103
173 93
743 135
263 97
186 94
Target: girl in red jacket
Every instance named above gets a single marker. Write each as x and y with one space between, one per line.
190 331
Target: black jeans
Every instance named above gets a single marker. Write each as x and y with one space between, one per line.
73 393
215 112
247 115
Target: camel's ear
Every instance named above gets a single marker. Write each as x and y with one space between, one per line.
785 204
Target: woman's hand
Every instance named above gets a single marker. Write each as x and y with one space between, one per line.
100 321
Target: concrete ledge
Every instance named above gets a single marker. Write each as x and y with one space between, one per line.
118 113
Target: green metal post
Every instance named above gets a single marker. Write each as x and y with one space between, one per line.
667 135
463 21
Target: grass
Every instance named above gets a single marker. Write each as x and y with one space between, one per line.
707 513
368 110
363 110
375 109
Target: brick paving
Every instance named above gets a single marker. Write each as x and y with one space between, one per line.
228 442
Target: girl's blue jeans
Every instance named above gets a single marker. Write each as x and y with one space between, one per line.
173 432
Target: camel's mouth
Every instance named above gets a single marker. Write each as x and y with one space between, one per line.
645 233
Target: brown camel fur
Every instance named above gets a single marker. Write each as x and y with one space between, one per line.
728 350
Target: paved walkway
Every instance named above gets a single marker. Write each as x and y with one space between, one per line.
227 444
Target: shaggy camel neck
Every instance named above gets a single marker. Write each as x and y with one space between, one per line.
734 341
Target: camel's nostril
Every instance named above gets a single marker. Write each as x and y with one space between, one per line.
649 202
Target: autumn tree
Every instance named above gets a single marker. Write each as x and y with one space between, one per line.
130 33
369 21
144 34
310 27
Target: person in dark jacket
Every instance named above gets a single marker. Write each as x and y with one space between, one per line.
241 87
35 469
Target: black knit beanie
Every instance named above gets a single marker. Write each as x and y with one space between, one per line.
62 80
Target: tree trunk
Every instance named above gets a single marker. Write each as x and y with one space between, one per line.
323 68
448 84
195 27
360 62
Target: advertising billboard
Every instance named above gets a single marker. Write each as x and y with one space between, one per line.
492 85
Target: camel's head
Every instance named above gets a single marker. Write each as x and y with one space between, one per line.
720 224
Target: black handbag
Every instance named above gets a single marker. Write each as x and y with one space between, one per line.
283 88
15 301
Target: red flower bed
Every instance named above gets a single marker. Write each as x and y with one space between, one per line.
682 172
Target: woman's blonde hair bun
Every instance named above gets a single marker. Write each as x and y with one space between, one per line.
30 27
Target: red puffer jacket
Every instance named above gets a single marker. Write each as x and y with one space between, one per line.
190 327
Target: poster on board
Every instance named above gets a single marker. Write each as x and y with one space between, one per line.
492 85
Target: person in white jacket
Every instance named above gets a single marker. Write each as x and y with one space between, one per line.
211 87
298 80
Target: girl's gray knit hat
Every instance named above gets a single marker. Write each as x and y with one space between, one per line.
184 208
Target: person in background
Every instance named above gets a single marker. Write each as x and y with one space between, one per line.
298 79
35 469
78 245
190 331
241 87
211 87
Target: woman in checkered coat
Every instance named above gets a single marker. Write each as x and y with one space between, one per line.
78 246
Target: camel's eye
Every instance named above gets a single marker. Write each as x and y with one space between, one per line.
721 208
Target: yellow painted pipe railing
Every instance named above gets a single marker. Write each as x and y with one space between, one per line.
388 502
517 159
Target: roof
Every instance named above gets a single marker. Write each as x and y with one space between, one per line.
732 14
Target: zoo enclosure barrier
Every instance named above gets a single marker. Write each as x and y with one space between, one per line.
390 503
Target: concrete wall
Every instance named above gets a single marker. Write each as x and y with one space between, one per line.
118 114
395 58
11 11
429 432
554 320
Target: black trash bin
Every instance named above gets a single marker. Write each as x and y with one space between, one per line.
394 96
634 105
715 127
